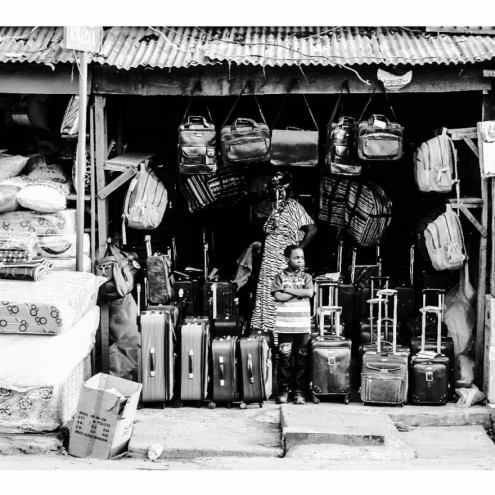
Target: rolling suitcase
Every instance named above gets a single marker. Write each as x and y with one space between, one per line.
430 319
157 356
224 371
330 368
384 375
222 294
255 368
327 294
189 299
194 356
370 322
158 274
430 370
232 325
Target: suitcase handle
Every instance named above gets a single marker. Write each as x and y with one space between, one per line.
222 371
383 370
191 355
250 368
152 361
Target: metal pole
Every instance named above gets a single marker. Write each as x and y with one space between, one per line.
81 158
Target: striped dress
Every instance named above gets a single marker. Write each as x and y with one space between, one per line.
282 228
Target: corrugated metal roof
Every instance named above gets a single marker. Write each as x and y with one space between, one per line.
174 47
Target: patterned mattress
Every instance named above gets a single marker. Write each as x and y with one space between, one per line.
61 222
40 378
49 306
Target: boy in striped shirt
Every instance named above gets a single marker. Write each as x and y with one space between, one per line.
292 289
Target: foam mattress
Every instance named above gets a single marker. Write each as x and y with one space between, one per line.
49 306
61 222
40 378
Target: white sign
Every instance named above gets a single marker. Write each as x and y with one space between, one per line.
393 82
82 38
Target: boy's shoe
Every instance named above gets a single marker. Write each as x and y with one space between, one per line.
283 398
299 399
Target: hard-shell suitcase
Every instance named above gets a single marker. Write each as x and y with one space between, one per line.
430 370
330 368
157 356
384 375
189 299
222 294
255 368
158 267
224 371
194 355
232 325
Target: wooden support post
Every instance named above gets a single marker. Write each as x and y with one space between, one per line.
93 185
101 155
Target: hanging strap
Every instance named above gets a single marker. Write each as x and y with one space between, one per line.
384 91
237 100
345 85
283 105
197 87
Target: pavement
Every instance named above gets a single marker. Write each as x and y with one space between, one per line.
329 435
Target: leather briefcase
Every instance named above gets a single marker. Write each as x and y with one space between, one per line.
245 141
294 146
379 138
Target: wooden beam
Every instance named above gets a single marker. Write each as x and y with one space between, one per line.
40 79
222 81
482 230
115 184
471 145
489 368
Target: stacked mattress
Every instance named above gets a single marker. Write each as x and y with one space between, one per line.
41 377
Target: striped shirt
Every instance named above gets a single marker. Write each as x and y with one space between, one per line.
293 316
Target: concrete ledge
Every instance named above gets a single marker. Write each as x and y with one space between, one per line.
30 443
192 433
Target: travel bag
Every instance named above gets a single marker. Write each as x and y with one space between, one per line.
158 268
340 158
194 359
384 374
368 316
293 146
430 369
330 368
222 294
379 138
245 141
232 325
255 369
224 371
157 356
327 294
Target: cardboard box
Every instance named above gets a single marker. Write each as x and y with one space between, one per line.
104 418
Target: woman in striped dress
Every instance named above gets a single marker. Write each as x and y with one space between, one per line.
288 224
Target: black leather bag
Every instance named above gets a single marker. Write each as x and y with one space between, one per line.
245 141
293 146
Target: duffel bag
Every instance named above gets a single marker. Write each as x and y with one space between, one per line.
378 138
294 146
363 210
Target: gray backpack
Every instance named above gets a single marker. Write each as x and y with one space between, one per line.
435 164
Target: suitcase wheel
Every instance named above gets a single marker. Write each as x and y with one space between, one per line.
315 399
211 405
229 405
178 403
198 403
242 405
346 399
261 404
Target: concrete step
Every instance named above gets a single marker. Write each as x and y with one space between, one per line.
187 432
336 424
31 443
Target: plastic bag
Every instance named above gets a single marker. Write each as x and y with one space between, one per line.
10 166
469 396
123 360
459 314
463 371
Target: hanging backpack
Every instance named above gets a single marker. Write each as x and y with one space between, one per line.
145 202
197 153
444 241
435 164
340 158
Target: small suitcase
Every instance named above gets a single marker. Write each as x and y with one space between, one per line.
157 356
330 368
255 369
229 326
224 371
188 300
430 370
222 294
384 375
194 355
158 266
